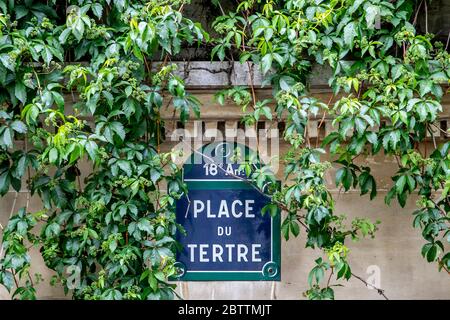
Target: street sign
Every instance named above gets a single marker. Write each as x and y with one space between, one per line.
227 237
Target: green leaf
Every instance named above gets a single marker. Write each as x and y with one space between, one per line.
21 11
320 213
128 91
78 28
64 35
266 63
7 279
400 184
344 271
30 113
372 137
118 128
360 125
4 182
372 12
18 126
97 9
125 166
350 33
52 230
267 112
76 153
295 228
112 246
344 176
425 87
59 100
285 231
6 139
47 55
53 155
20 166
91 148
155 175
144 225
340 174
153 282
272 208
7 61
22 227
433 253
20 92
317 274
411 183
356 4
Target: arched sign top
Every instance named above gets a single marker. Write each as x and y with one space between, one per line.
219 161
226 236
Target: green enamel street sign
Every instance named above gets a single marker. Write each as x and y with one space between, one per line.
227 237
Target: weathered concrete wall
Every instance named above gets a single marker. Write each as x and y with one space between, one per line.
395 250
394 253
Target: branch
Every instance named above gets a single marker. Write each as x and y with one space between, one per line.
223 170
298 219
443 266
417 13
448 40
281 205
436 126
380 291
442 211
329 278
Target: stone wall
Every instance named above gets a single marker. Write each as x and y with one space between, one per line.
394 254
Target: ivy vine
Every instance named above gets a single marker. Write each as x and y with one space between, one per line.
111 237
387 82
